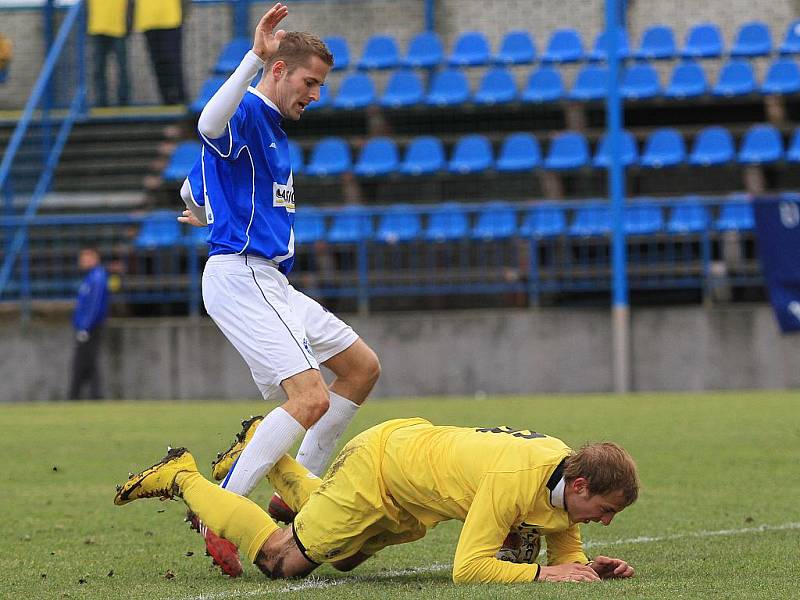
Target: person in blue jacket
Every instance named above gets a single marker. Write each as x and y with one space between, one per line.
90 313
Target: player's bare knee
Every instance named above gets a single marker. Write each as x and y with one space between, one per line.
366 375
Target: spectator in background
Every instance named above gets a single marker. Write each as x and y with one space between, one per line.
6 52
161 20
90 312
108 27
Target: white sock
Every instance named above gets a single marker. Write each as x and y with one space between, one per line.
321 438
275 436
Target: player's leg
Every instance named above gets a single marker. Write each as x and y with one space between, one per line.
293 482
248 300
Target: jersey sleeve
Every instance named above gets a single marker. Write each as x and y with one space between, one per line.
233 138
565 547
500 501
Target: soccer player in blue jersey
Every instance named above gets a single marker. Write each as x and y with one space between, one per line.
242 188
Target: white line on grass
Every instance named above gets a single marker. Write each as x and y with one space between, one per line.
318 583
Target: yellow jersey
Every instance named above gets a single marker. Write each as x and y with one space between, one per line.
107 17
157 14
492 479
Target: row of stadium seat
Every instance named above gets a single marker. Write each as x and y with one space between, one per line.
472 48
495 221
425 155
449 87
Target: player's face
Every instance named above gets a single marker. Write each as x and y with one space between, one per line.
298 89
584 507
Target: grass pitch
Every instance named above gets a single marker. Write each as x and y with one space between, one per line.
718 516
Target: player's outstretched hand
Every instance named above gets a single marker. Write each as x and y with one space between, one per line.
610 568
568 572
267 40
189 218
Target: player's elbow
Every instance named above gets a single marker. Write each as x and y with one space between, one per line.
465 572
207 126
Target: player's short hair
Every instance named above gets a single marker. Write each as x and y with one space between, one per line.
607 467
297 47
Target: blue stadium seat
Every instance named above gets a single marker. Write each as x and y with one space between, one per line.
380 52
232 54
350 225
378 157
159 229
340 50
195 236
544 85
752 39
629 152
640 82
793 151
516 48
497 86
565 46
182 161
791 41
663 148
296 157
544 221
568 150
208 89
783 77
712 146
658 42
736 78
330 156
448 87
497 221
703 40
735 216
448 221
601 43
324 100
591 83
688 81
400 224
356 91
471 49
690 216
642 217
424 155
471 154
762 144
591 220
309 226
404 88
424 51
519 152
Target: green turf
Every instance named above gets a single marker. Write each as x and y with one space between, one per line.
709 463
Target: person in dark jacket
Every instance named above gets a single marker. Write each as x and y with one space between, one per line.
90 313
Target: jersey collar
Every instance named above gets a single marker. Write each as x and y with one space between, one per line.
265 100
557 495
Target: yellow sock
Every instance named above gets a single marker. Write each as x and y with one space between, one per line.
229 515
293 482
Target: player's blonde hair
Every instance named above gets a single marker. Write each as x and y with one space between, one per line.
607 467
297 47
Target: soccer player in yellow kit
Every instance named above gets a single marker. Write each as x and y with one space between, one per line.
393 482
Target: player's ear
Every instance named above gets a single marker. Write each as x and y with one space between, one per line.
278 69
579 484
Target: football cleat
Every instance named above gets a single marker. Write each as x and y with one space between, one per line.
279 510
224 461
223 553
157 481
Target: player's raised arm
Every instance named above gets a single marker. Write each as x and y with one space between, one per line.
222 105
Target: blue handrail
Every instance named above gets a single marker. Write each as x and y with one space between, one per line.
72 20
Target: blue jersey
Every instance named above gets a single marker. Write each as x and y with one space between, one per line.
244 179
92 305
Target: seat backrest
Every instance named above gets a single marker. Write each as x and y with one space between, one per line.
665 144
521 144
791 40
309 226
470 48
592 219
404 82
565 45
544 80
688 217
658 41
688 74
473 149
545 220
498 219
351 224
703 40
752 39
379 150
497 80
357 88
447 221
424 50
735 216
232 54
401 223
629 152
783 72
449 83
763 139
642 78
715 143
340 50
570 144
331 154
425 150
517 47
591 83
737 74
380 52
641 217
603 41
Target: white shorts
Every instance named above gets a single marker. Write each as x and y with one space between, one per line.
279 331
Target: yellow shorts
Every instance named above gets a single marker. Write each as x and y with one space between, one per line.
351 511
